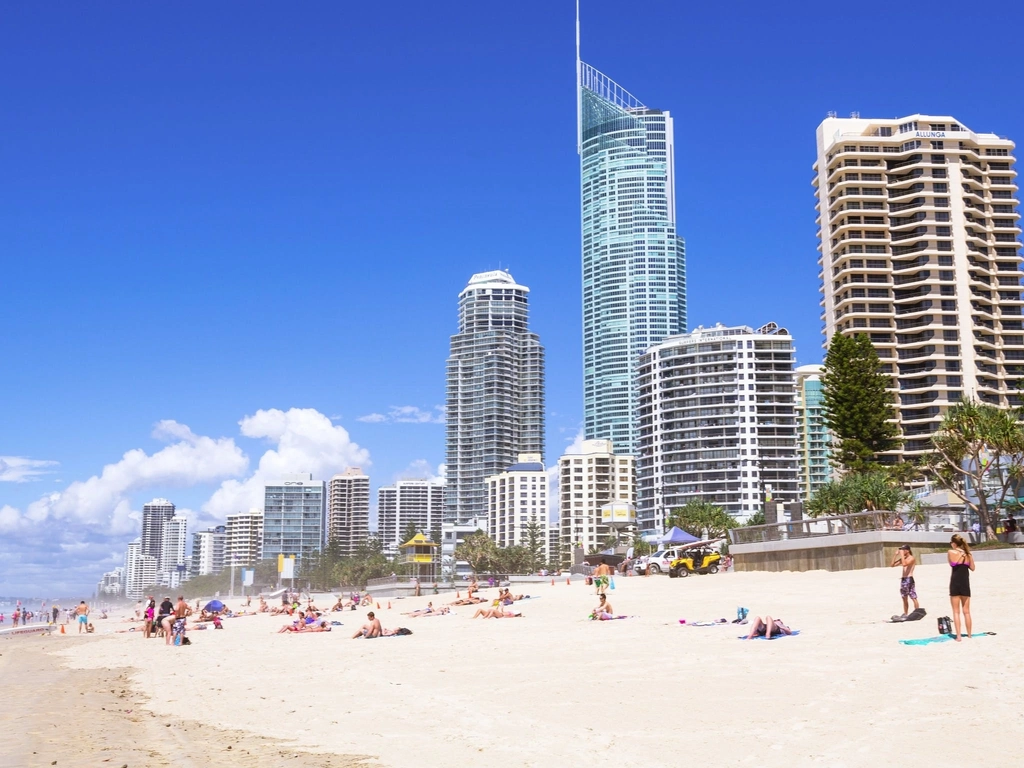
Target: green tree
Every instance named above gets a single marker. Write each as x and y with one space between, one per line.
479 551
880 489
514 559
699 515
410 531
756 519
857 404
534 535
979 457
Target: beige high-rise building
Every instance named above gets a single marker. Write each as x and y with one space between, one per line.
919 249
348 510
586 482
244 538
517 498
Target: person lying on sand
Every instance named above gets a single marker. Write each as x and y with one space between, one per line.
468 601
421 611
508 598
768 628
370 629
323 626
435 612
497 613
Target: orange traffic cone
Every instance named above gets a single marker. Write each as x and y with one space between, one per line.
378 606
62 629
389 605
458 595
566 581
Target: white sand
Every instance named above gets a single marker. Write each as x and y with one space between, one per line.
553 689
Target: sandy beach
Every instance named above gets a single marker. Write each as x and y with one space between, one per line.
552 688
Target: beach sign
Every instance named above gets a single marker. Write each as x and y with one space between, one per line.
248 576
286 566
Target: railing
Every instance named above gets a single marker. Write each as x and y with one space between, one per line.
859 522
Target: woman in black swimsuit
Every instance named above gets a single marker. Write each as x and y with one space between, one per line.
961 561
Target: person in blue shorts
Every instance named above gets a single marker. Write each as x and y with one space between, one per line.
82 612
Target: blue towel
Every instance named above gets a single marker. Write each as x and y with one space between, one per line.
939 639
794 633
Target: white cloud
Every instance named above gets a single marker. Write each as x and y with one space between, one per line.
421 469
406 414
103 499
305 441
169 430
18 469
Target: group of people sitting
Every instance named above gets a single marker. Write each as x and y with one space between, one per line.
304 622
355 599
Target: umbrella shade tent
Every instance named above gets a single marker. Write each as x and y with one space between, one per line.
214 606
678 536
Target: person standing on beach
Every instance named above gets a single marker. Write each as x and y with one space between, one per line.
82 611
908 589
961 561
601 577
56 612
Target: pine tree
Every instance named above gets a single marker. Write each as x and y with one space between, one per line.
858 407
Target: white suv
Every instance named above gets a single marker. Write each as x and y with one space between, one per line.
660 561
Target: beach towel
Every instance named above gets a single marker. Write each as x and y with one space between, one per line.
938 639
794 633
713 623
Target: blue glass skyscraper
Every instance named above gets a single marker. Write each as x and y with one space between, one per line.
634 266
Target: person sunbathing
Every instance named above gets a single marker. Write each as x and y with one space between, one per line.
421 611
299 625
496 613
370 629
435 612
768 628
323 626
468 601
474 587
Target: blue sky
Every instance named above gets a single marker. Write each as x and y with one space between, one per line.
229 231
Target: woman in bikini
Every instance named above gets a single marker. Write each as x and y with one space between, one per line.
961 562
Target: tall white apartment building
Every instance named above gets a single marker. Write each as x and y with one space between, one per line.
139 571
348 510
919 248
293 516
717 421
420 502
243 533
516 499
154 515
208 549
174 540
586 482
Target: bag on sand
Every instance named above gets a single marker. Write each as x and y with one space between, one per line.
945 626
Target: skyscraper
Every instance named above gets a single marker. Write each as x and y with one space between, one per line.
154 515
171 563
208 549
918 238
420 502
348 510
812 433
717 422
495 390
293 516
634 265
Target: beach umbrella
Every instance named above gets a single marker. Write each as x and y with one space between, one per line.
214 605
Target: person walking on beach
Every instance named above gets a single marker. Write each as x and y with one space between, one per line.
601 577
908 589
961 561
82 611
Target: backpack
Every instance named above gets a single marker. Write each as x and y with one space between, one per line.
945 626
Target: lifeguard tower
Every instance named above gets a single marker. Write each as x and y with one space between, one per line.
420 555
